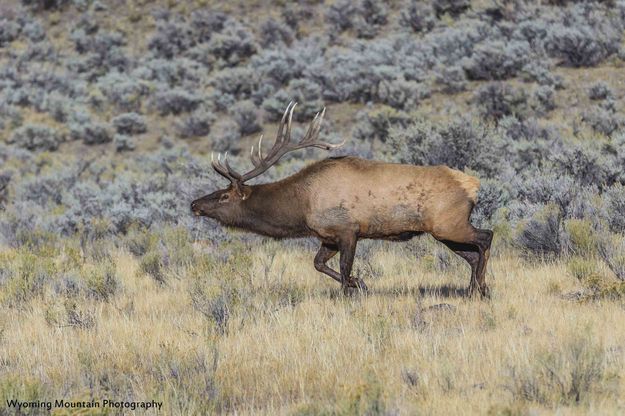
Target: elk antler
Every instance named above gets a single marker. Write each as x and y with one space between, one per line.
224 169
281 146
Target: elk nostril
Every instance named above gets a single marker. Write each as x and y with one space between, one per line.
195 209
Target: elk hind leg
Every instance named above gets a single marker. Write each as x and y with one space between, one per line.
470 240
484 239
469 253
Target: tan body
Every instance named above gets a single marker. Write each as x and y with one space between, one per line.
342 200
383 200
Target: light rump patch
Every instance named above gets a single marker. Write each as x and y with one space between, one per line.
470 184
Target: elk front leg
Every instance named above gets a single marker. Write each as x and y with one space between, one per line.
347 248
325 253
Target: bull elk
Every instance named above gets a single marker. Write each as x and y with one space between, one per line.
341 200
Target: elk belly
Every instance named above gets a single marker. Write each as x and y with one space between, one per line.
398 222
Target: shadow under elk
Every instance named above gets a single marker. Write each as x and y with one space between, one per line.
341 200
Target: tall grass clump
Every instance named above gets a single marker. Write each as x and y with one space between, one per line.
567 375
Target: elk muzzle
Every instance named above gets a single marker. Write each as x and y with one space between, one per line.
195 208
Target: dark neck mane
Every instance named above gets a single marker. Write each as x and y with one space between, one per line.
275 210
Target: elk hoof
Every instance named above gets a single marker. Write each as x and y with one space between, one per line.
355 286
360 285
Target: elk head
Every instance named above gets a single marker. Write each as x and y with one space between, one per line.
225 204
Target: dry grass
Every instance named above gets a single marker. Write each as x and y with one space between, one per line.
264 333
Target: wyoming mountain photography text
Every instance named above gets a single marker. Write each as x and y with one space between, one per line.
34 406
312 207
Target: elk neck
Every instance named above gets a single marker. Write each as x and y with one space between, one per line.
275 210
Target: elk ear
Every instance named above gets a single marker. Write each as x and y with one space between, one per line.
244 192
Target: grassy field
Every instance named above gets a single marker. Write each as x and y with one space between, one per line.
261 332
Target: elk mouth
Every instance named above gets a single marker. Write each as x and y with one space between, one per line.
195 210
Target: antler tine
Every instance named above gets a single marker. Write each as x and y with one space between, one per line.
318 125
217 164
231 171
288 125
224 169
257 158
330 146
312 134
282 137
309 132
279 134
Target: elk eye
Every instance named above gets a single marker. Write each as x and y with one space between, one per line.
224 198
